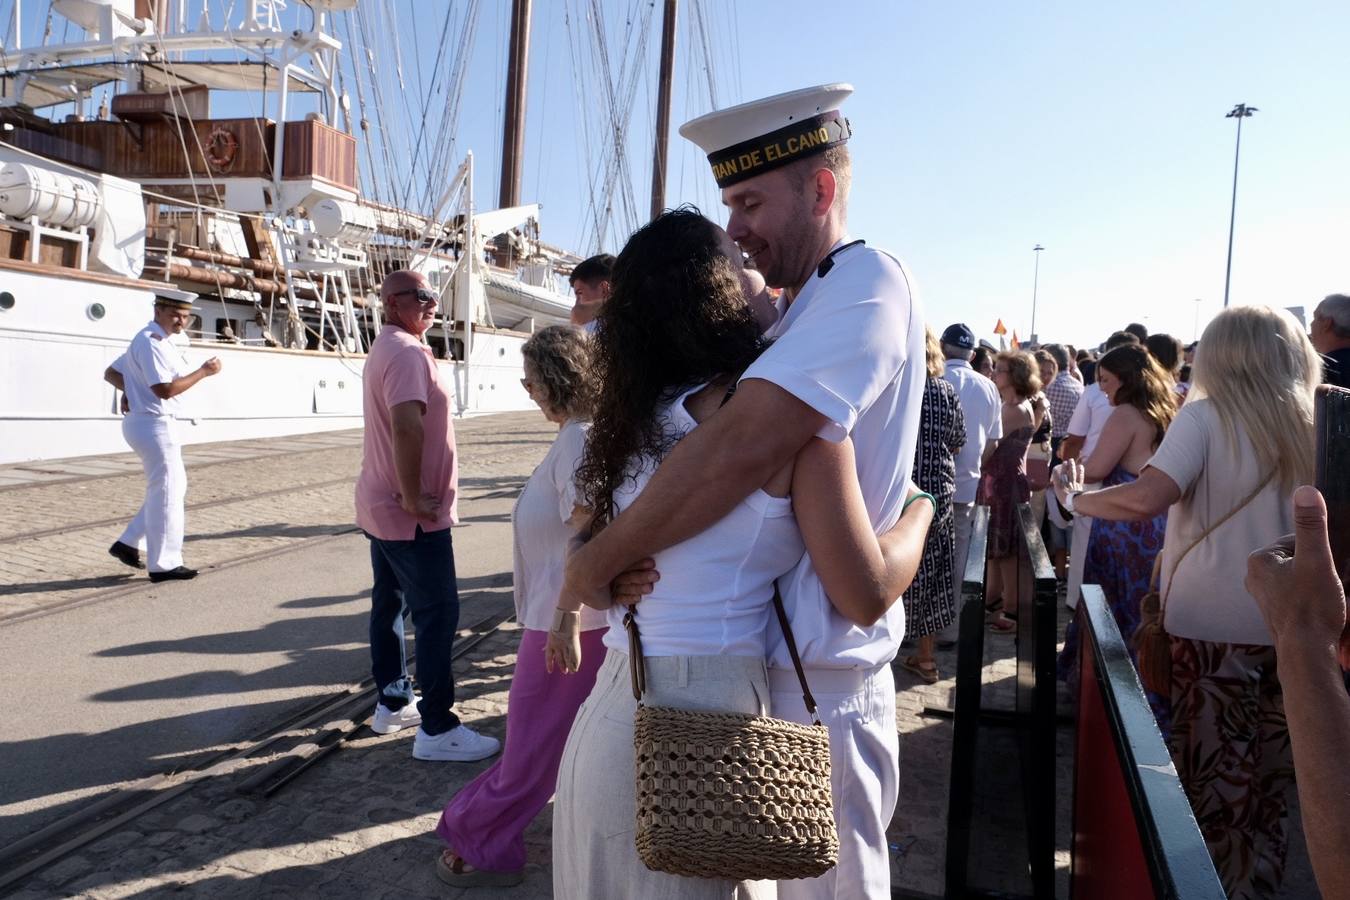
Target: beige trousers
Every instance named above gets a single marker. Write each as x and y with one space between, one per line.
595 810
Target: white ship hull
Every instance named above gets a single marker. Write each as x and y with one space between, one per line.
54 402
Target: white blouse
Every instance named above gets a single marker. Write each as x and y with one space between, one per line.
715 596
541 533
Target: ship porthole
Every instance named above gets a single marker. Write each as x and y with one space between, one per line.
6 300
96 311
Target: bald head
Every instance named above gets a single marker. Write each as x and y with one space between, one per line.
397 282
400 295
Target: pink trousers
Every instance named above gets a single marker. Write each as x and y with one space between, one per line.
485 822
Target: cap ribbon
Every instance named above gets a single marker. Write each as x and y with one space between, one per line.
778 148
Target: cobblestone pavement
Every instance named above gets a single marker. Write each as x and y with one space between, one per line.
359 824
244 498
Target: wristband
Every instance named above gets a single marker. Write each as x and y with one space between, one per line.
920 496
1068 502
560 616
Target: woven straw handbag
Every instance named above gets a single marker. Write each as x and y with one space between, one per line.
731 795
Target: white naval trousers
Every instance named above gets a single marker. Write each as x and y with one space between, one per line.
1078 547
158 526
858 708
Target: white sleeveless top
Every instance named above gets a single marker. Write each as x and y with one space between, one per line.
715 596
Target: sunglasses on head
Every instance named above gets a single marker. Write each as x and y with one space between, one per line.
424 296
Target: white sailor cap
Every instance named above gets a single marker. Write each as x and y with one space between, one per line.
757 137
172 297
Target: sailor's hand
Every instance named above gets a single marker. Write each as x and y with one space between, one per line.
426 507
211 366
126 405
634 583
563 648
1067 477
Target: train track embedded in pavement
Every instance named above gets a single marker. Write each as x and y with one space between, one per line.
315 732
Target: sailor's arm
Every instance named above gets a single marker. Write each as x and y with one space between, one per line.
114 377
182 383
718 464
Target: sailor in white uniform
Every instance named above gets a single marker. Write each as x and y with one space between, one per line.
848 360
152 374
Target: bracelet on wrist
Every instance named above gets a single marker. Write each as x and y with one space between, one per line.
560 616
922 495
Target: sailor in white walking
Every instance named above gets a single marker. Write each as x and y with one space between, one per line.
151 375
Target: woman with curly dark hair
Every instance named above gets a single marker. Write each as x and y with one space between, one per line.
677 332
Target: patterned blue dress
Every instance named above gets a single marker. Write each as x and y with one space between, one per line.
1120 559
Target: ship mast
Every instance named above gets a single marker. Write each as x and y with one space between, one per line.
513 125
663 109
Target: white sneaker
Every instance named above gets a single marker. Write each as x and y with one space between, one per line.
459 744
387 721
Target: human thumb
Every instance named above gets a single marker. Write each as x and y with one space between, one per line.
1312 545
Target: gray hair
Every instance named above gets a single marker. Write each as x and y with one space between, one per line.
560 356
1061 355
953 352
1335 307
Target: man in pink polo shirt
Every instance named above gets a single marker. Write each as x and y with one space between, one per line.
405 503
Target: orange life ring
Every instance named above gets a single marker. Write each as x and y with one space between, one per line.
221 146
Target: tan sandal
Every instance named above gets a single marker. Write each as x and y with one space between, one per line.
454 871
927 673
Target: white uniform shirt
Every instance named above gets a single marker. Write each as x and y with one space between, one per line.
851 346
983 412
1089 417
153 358
715 596
540 533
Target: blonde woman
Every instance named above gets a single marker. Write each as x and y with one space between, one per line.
1227 467
1004 484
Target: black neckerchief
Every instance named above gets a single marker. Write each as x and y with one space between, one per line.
827 263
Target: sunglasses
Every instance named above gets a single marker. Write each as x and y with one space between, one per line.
424 296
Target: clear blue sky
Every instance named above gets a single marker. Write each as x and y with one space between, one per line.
1097 130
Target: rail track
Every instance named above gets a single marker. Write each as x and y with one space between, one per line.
277 755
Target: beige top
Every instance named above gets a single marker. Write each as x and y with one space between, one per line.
1208 601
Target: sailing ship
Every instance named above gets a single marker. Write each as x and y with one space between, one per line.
262 216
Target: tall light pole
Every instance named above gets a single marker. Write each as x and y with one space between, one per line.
1035 283
1195 329
1239 112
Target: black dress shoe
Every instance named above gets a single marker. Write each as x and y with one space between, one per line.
126 554
182 573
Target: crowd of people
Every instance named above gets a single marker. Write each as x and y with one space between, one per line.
723 448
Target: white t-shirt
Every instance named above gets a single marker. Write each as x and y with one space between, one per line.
715 596
1089 417
1207 600
540 533
851 346
153 358
983 412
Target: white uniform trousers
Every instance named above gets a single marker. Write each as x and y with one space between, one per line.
158 526
858 708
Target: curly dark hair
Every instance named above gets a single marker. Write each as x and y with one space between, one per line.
560 358
675 318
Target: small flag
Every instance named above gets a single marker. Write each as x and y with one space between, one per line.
999 328
1016 344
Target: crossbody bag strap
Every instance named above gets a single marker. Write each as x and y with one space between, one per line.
792 651
1162 605
637 666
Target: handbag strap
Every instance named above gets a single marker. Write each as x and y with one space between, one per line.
1162 603
637 668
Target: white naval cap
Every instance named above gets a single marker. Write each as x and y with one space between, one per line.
757 137
173 297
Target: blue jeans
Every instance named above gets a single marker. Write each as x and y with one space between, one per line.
419 576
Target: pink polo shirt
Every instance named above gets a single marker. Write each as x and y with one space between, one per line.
401 368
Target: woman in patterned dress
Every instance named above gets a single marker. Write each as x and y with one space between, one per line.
1120 554
1004 483
930 603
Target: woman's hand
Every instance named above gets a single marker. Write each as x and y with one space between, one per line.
1068 476
563 648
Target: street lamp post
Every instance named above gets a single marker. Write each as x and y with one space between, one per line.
1239 112
1035 283
1195 329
